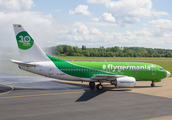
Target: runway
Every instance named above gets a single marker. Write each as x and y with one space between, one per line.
29 98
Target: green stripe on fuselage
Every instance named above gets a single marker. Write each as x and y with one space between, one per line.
77 70
138 70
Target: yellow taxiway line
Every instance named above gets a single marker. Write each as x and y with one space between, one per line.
7 91
36 95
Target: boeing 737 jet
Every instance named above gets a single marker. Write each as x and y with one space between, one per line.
120 74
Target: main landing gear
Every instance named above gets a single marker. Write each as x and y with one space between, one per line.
152 84
98 86
92 84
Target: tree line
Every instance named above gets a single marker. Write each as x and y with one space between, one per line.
67 50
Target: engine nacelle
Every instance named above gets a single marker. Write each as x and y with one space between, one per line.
124 82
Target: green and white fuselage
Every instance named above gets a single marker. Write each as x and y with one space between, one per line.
121 74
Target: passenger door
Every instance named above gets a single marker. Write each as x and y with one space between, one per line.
153 70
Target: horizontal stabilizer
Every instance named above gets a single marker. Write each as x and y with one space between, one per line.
23 63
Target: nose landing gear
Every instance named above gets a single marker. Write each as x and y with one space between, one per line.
152 84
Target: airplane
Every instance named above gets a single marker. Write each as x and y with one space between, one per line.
120 74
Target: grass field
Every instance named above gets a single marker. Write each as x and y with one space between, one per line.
113 58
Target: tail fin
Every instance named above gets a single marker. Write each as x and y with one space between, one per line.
29 49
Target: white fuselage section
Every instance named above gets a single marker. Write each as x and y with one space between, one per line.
48 69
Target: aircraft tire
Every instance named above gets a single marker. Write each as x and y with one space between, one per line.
152 85
92 84
99 87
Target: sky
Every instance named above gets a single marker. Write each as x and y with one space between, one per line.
93 23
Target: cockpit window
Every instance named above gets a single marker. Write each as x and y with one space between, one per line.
161 68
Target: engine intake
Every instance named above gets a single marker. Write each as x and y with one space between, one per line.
124 82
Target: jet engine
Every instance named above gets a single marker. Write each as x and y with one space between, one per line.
124 82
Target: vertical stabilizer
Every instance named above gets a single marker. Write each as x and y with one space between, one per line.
29 49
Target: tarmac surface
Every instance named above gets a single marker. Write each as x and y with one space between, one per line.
30 98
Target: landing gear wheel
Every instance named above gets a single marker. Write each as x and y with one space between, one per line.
99 87
152 84
92 84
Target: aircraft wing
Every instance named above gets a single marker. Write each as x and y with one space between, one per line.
23 63
106 77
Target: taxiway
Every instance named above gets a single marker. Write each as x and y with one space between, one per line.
26 97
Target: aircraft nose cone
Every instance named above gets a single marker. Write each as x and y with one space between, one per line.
168 73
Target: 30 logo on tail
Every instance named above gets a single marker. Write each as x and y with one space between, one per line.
24 40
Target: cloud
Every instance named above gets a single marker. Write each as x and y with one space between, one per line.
95 31
107 17
162 23
80 9
95 19
15 5
42 24
129 11
158 14
98 1
78 38
101 23
162 27
128 33
142 33
137 38
81 28
47 32
82 34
